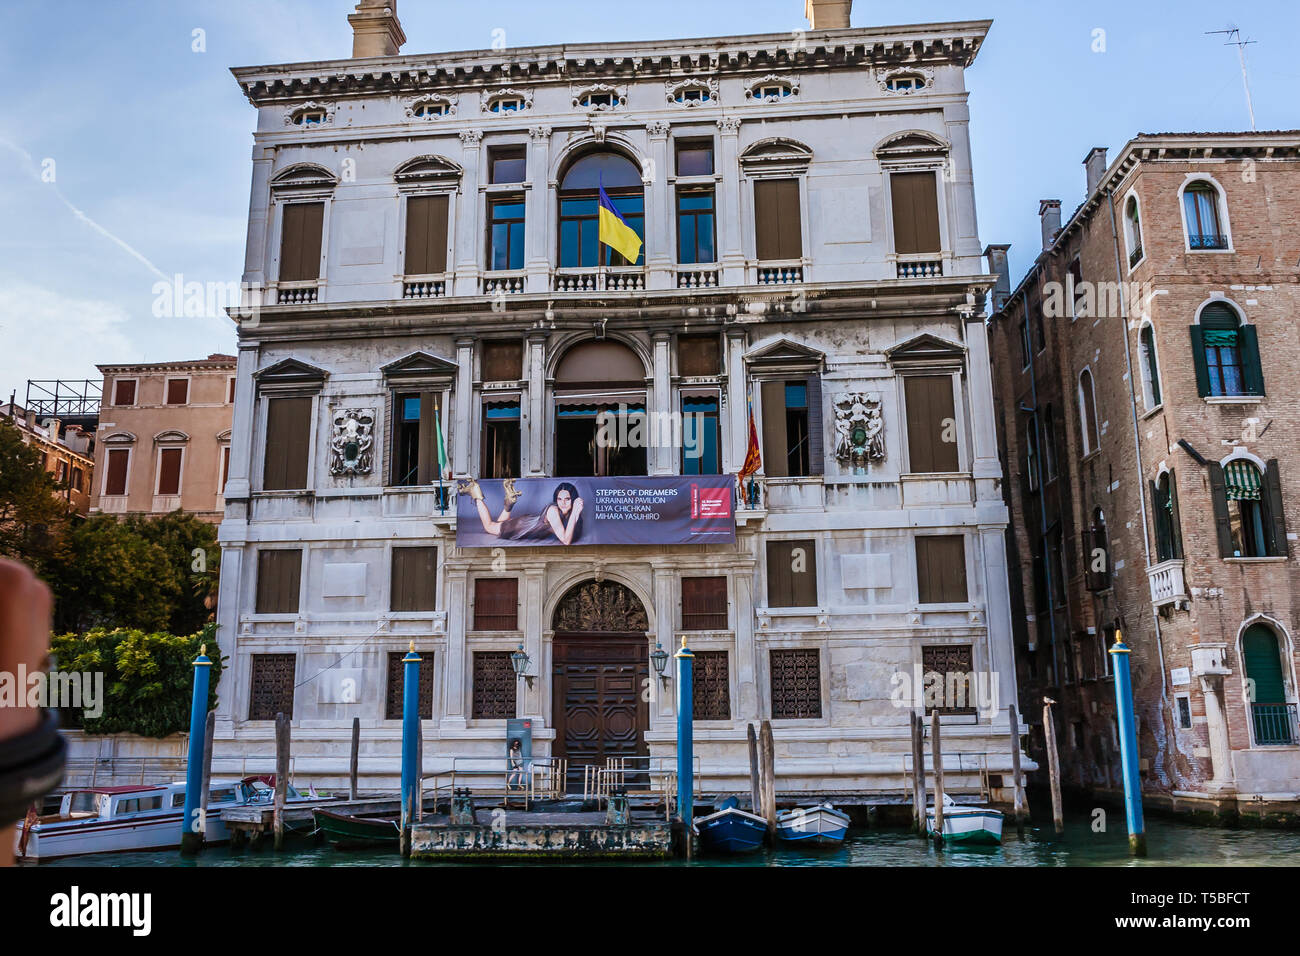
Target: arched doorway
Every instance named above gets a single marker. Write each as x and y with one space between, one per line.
601 662
1272 715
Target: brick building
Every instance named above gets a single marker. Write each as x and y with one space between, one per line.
67 450
1146 373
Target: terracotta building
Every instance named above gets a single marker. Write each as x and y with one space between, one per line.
1146 373
164 437
68 451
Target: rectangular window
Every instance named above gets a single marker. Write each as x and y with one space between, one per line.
931 424
699 355
506 233
225 469
496 604
791 448
494 686
1184 711
580 230
169 471
695 157
279 580
396 685
230 391
796 683
792 573
115 484
508 164
701 435
124 392
501 441
954 663
426 235
288 440
696 239
178 391
915 199
710 686
417 435
503 361
271 686
941 569
704 604
777 225
300 241
415 579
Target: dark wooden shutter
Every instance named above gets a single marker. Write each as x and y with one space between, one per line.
117 461
503 361
1263 665
397 685
1219 498
1198 361
415 577
427 462
915 201
1273 499
300 241
796 683
496 604
169 471
288 436
1175 523
711 685
941 569
124 392
787 587
931 412
178 391
494 693
791 246
1164 538
1252 372
699 355
704 604
777 225
271 686
775 444
279 578
426 235
816 463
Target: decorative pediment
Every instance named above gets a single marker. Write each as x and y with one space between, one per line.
290 373
776 154
431 106
506 100
772 88
428 170
304 176
926 349
170 436
419 366
785 353
692 92
598 97
912 80
911 144
119 438
309 114
223 436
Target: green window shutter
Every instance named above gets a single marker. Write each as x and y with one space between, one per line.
1198 360
1263 665
1219 496
1175 525
1273 501
1251 370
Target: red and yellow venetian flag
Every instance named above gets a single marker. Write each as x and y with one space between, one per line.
753 460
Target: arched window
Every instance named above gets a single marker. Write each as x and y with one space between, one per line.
1088 412
1133 231
1225 352
1272 716
1169 535
1150 369
1097 556
1244 497
1201 211
580 208
601 426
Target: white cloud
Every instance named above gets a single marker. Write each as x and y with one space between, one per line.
51 335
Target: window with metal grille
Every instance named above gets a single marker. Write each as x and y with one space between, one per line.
271 686
796 683
954 690
396 686
704 604
494 686
496 604
711 685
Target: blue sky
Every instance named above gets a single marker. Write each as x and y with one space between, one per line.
149 142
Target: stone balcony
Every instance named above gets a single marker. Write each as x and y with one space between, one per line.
1167 584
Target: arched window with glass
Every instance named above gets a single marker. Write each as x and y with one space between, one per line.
1149 366
1248 509
1201 212
1225 353
1088 413
580 208
1169 535
1133 231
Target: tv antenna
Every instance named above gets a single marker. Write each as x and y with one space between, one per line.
1234 39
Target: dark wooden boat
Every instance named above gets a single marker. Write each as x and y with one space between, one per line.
345 831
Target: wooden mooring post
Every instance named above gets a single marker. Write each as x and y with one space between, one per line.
1053 765
755 792
356 753
767 774
1017 781
918 773
936 751
281 775
209 731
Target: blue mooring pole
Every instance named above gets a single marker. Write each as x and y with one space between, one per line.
1128 752
685 736
192 826
410 732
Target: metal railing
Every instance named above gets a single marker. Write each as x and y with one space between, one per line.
1275 724
1135 256
1209 240
528 778
638 776
958 762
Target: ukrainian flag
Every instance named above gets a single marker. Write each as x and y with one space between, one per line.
615 232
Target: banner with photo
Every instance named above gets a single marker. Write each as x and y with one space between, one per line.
538 512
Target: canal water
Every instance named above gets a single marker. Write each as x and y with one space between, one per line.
1169 843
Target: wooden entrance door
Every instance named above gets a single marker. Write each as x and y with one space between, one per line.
597 699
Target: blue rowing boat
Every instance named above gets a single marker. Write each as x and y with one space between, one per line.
730 829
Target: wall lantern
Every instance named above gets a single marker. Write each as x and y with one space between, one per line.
519 661
659 658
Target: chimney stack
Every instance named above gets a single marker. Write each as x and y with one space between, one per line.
828 14
1049 211
1095 164
996 255
376 31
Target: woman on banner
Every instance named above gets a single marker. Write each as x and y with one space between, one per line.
561 519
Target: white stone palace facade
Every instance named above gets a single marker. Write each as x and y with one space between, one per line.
421 232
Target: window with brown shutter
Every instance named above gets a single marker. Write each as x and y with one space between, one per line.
288 436
941 569
117 462
796 683
178 391
426 235
503 361
496 604
396 687
230 391
271 686
124 391
792 573
494 686
704 604
225 468
300 241
279 577
710 686
915 199
954 664
792 422
415 578
699 355
931 423
777 226
169 471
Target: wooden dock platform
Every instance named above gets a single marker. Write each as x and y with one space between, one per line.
516 835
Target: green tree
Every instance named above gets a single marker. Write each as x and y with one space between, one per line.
32 516
193 561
